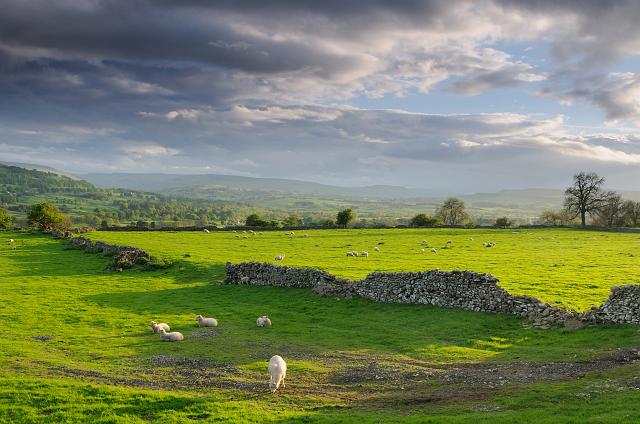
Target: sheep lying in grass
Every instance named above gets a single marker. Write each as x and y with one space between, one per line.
206 322
170 337
263 321
156 327
279 258
376 249
278 371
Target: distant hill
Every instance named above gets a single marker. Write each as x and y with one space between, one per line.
18 179
200 185
41 168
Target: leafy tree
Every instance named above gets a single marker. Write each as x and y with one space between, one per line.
503 222
46 217
5 219
452 212
610 213
632 212
254 220
423 220
292 221
345 217
585 196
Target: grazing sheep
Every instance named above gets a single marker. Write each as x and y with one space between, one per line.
433 250
206 322
263 321
279 258
156 327
278 371
376 249
12 241
205 230
170 337
365 254
350 254
424 242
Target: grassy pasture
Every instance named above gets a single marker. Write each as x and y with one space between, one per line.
76 346
571 268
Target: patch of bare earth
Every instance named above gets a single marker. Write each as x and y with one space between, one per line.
354 378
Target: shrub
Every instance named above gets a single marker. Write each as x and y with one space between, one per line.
424 220
5 219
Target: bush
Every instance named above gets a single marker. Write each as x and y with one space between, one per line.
503 222
5 219
424 220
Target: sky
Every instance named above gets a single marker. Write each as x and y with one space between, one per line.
462 96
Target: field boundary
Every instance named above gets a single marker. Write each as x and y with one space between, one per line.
467 290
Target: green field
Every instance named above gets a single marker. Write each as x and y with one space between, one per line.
570 268
76 346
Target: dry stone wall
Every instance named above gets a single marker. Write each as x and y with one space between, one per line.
450 289
123 256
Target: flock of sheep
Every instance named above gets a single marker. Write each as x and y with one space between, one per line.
277 366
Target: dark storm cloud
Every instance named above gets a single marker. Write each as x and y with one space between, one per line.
261 88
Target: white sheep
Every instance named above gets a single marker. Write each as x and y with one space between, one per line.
206 322
205 230
263 321
433 250
170 337
278 371
364 254
156 327
422 251
349 253
279 258
12 241
376 249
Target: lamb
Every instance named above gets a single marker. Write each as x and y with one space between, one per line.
433 250
279 258
156 327
170 337
278 371
263 321
364 254
206 322
376 249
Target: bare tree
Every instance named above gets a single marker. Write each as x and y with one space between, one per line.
452 212
585 196
632 212
610 213
561 217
